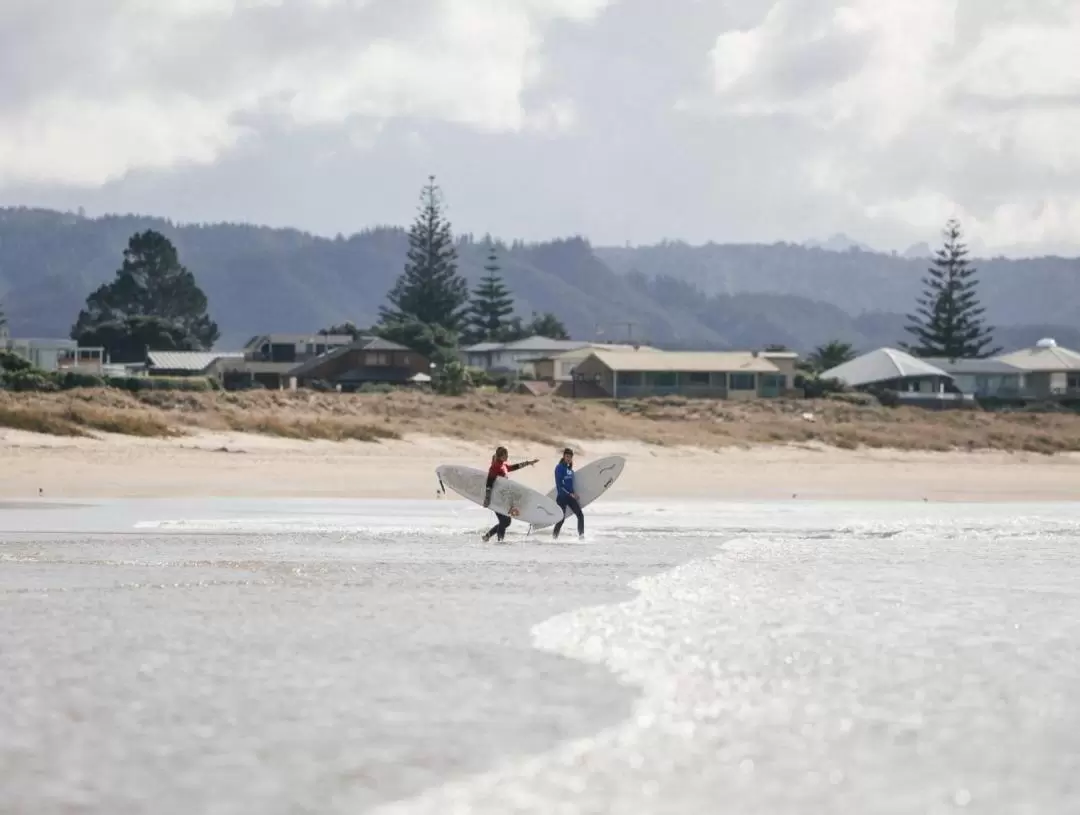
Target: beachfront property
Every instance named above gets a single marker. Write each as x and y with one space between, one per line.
531 357
1045 371
561 367
891 369
187 363
269 359
981 377
365 361
1049 370
54 354
706 374
288 361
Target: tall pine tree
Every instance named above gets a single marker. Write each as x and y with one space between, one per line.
948 321
430 291
491 305
153 301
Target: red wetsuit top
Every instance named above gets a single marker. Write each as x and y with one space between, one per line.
499 469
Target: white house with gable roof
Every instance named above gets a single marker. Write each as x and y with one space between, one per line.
517 356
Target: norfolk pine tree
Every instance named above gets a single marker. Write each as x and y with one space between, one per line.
491 305
430 290
948 321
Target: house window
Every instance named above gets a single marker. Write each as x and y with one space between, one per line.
742 382
1073 382
375 358
664 379
698 379
628 379
282 352
405 360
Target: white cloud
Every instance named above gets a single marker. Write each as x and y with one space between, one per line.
916 110
109 87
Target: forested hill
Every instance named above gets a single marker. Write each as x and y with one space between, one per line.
720 296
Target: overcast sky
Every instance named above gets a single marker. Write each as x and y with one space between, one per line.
620 120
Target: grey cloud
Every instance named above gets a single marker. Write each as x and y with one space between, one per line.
634 168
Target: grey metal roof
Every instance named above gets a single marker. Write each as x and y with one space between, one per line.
882 365
538 343
483 347
188 360
1050 358
379 344
972 366
528 344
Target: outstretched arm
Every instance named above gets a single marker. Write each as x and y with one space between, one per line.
521 464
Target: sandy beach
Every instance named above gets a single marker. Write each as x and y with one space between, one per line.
251 465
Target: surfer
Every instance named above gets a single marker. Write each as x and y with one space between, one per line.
565 494
500 469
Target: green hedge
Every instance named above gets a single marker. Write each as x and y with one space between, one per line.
16 374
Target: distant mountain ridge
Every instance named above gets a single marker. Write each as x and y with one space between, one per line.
260 279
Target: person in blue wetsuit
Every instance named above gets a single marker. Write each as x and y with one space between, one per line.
566 497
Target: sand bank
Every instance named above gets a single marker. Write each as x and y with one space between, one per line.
238 464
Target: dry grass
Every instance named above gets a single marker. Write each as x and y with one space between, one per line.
37 421
498 417
329 429
124 422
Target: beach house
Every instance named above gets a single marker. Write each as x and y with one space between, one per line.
711 374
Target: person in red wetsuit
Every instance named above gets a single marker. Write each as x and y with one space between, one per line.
500 469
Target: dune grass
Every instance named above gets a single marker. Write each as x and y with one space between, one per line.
331 429
493 418
37 421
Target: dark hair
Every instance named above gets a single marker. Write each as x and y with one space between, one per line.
501 451
567 450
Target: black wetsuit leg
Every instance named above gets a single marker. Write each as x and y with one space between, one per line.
499 530
566 502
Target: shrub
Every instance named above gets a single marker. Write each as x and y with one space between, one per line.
13 362
375 387
66 380
138 384
853 398
452 379
815 388
28 380
887 398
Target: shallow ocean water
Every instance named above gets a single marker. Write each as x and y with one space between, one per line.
331 656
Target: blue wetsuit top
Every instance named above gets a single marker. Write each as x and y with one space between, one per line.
564 479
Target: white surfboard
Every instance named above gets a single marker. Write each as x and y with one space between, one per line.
590 482
507 496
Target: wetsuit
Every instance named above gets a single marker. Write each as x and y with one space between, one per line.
498 469
564 486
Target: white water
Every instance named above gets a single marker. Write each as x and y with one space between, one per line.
862 658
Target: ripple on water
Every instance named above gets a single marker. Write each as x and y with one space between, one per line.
858 674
